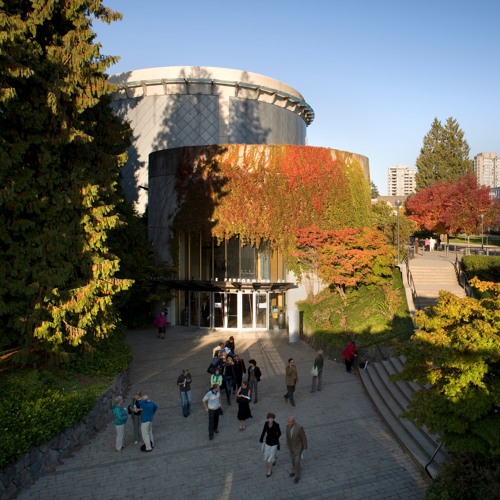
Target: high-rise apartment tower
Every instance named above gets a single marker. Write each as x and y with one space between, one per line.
487 169
401 180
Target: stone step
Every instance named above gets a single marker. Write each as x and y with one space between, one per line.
391 399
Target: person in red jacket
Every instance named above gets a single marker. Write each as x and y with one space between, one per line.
349 353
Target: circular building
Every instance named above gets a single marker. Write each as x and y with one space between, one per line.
179 106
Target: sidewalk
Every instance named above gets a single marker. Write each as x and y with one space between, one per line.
351 452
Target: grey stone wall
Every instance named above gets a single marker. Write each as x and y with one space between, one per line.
45 458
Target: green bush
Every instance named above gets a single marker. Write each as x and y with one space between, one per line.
36 405
106 357
467 477
486 268
373 314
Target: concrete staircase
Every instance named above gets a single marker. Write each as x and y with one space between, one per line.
432 273
391 399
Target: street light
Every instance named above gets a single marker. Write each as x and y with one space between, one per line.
398 204
482 231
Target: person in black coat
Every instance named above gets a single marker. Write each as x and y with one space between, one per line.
228 376
254 375
239 370
271 432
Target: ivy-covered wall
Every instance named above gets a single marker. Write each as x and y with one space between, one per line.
259 192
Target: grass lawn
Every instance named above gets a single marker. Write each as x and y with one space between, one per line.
373 316
490 240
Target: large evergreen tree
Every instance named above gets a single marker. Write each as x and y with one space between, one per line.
60 153
444 155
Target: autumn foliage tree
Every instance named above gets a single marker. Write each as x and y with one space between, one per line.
455 356
451 207
344 258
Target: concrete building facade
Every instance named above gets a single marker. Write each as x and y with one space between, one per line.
401 180
487 169
193 106
227 284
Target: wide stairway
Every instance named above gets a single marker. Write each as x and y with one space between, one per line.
430 273
391 400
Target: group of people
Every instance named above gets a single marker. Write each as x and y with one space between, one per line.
142 411
227 370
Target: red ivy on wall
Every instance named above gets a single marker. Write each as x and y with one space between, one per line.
262 192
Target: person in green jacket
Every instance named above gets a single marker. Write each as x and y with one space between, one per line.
121 416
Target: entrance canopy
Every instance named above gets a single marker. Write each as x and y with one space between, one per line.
227 285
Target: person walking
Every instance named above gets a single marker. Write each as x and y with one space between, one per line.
135 411
184 382
271 433
212 404
318 369
239 370
291 379
148 408
228 377
121 416
254 375
216 378
243 397
296 443
349 354
161 324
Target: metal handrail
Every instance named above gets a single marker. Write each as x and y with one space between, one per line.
411 284
436 451
462 278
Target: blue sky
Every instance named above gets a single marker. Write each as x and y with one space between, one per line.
376 72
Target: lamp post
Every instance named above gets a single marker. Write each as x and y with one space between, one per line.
398 204
482 231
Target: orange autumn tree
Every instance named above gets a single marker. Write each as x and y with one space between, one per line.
346 257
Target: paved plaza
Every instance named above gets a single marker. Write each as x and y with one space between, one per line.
351 454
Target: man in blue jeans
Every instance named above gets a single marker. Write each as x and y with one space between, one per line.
148 408
184 382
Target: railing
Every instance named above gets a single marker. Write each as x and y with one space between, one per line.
436 451
411 284
462 278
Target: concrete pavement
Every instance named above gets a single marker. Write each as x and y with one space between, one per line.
351 453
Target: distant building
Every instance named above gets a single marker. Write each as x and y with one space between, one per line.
487 169
401 180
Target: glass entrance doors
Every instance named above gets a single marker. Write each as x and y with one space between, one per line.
230 309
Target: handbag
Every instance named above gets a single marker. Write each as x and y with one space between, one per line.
314 371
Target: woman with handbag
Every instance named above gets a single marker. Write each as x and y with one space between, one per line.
317 372
271 432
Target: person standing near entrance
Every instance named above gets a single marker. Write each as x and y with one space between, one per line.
296 443
212 404
291 379
161 324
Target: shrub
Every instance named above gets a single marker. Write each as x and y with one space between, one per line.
105 357
465 477
35 406
486 268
